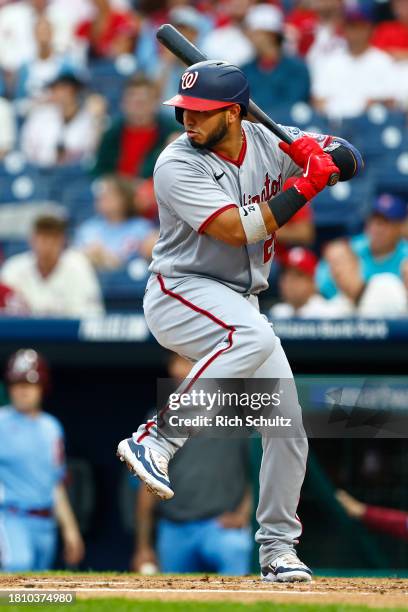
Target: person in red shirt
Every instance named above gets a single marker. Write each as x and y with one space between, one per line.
387 520
132 144
315 23
110 33
392 36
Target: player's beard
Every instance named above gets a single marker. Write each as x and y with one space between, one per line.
214 138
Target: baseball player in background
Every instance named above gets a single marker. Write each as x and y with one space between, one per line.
32 467
219 189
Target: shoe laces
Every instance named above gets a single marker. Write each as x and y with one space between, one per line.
290 558
161 462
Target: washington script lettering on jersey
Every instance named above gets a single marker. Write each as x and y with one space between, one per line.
270 189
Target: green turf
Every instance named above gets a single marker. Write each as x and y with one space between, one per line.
127 605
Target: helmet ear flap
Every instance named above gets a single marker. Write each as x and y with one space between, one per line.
179 114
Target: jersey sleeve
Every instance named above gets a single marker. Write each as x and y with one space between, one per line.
190 193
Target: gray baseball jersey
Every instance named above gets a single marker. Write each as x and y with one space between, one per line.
194 186
198 304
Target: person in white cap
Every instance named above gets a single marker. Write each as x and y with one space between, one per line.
300 297
229 40
276 79
169 68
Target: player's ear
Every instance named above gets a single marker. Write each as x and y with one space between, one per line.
233 113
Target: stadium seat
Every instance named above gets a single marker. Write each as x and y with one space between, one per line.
108 78
12 247
300 115
345 205
391 174
13 163
124 288
377 133
22 187
305 117
58 178
78 198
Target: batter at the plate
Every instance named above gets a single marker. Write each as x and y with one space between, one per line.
219 189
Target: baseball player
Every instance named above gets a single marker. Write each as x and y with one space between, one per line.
32 466
220 197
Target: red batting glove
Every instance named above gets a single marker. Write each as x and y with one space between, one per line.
289 182
301 149
316 175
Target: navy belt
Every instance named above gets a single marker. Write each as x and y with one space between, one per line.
41 512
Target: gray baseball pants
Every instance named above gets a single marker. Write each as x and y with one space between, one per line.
225 336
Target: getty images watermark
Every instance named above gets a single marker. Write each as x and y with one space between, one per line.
316 407
228 407
217 401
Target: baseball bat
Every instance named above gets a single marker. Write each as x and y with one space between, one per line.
182 48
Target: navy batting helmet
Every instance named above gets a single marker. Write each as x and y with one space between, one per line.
210 85
26 365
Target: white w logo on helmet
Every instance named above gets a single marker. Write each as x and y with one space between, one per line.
188 79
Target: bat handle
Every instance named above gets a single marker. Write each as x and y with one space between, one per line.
333 179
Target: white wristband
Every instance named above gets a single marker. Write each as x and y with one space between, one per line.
253 223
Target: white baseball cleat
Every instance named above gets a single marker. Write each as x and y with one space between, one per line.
286 568
148 465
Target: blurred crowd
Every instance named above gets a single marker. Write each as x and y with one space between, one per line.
81 86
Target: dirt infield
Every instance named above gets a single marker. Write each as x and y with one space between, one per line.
374 592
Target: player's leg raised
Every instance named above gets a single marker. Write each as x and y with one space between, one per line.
220 331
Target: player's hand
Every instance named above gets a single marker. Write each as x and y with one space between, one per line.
352 506
233 520
142 558
301 149
74 547
316 175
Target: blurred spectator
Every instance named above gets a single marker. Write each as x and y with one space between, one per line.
12 304
64 131
65 18
32 470
297 287
148 51
199 530
380 249
53 280
35 75
349 80
299 230
8 127
110 32
316 30
115 234
392 36
300 25
384 295
276 80
146 204
17 21
388 520
229 41
381 295
405 273
132 144
169 69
